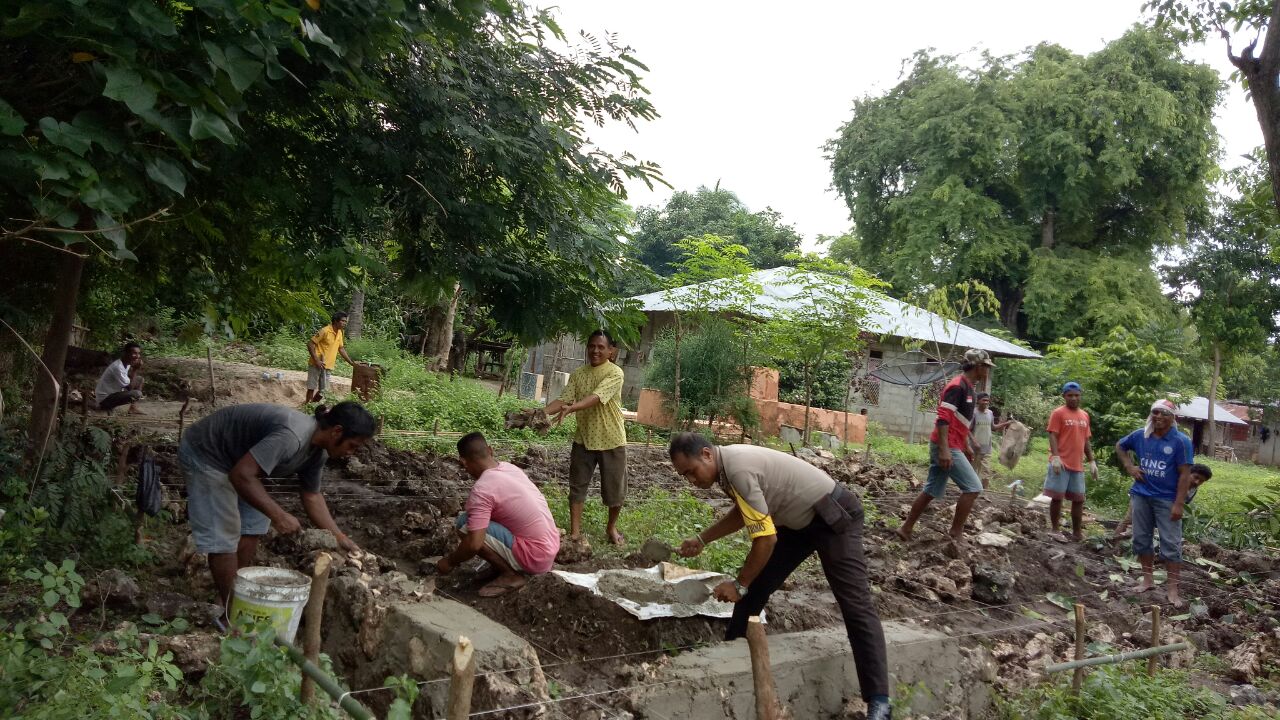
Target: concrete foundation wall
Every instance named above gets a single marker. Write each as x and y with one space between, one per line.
815 677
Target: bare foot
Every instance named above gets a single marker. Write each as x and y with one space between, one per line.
1077 537
616 537
503 585
1174 599
1145 585
904 536
133 410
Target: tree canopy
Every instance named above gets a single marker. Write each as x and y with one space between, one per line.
1050 177
710 211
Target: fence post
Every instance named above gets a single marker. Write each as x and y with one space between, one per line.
1155 639
314 616
1077 678
767 705
213 389
463 680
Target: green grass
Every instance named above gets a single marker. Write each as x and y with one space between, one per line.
668 516
1124 693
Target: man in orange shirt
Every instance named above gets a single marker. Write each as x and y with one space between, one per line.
323 349
1069 434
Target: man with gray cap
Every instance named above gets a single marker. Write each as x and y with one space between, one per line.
948 446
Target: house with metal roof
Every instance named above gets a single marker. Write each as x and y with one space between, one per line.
906 341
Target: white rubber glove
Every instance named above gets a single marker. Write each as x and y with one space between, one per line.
1055 462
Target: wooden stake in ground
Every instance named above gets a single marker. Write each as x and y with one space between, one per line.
182 416
767 705
213 389
1077 678
463 680
1155 639
314 616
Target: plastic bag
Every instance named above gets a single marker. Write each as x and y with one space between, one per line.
1014 443
149 496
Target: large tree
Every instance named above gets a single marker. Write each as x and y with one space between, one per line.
710 211
1230 281
1258 70
277 139
1050 177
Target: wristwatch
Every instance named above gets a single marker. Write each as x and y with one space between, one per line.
742 589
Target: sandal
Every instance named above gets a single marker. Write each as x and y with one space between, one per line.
496 589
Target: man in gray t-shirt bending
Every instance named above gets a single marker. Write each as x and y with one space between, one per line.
790 509
226 456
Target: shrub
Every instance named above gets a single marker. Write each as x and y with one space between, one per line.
1123 693
713 372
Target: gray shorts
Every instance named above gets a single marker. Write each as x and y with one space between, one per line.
613 474
1150 514
961 471
218 515
1064 483
318 379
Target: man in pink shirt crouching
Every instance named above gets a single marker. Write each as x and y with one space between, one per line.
506 521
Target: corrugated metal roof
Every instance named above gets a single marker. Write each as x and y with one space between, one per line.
1198 409
887 316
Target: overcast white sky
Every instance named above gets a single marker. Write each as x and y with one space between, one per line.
749 91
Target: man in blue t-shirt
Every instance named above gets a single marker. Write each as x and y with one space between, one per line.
1161 478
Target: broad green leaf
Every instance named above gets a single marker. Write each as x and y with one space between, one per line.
1031 613
243 70
152 619
11 123
112 231
60 133
146 14
206 125
130 88
167 173
50 598
1060 600
1080 570
316 35
124 254
50 168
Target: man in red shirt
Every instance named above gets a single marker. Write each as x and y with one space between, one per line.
949 446
1069 435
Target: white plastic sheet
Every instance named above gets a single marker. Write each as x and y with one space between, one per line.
664 590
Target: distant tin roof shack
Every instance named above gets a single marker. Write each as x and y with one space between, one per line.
887 316
1198 409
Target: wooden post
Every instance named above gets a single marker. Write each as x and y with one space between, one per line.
648 437
1077 678
213 389
1155 639
435 429
182 416
767 705
314 616
462 681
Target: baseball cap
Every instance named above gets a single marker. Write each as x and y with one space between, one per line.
1073 385
977 357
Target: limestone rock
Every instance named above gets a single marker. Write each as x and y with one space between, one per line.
192 652
992 539
112 587
1246 659
317 539
1247 695
170 605
991 585
414 521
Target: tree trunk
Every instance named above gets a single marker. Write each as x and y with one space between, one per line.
1046 230
675 395
44 400
808 401
1262 73
440 331
1009 309
355 315
1213 398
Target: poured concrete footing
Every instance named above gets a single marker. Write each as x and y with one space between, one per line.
814 674
418 638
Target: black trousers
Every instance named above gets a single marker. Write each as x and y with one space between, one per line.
846 570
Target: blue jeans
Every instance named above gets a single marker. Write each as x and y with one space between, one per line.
961 471
1150 514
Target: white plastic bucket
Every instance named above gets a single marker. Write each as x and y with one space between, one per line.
273 594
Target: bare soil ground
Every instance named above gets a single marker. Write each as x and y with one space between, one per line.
1007 587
